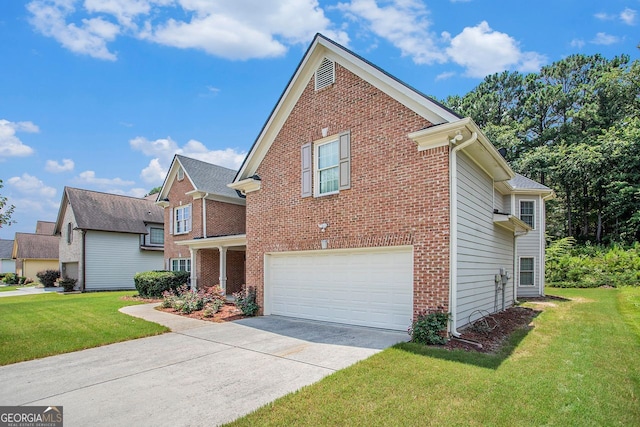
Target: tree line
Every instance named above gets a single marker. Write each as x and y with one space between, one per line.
575 127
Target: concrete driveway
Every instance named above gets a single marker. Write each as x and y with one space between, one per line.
203 373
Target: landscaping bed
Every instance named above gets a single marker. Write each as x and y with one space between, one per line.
227 313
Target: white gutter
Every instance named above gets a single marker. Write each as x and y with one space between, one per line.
453 227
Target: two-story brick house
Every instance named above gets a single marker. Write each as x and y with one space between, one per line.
367 202
204 224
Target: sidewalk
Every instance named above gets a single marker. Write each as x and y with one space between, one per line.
29 290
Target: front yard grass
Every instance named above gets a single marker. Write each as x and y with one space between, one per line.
8 288
578 366
36 326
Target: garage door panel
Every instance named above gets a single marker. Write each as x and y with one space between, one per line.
361 287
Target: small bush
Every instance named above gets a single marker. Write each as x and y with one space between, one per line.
187 300
152 284
213 307
10 279
67 283
48 277
430 328
245 300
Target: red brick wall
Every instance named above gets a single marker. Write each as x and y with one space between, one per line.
208 269
398 195
178 197
224 219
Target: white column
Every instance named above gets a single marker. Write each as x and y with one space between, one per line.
223 268
194 277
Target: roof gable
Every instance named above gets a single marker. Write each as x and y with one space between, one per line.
35 246
109 212
322 48
205 177
45 227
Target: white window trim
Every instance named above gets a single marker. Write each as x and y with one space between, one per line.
175 221
533 281
187 263
533 226
316 171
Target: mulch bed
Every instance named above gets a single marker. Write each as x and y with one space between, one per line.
493 330
229 312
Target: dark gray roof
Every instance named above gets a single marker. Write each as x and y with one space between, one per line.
45 227
208 177
6 247
110 212
36 246
521 182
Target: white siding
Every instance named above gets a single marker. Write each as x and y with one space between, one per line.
114 258
532 245
483 247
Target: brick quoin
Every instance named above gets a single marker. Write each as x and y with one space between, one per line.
398 195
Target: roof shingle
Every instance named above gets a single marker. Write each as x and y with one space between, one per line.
36 246
6 247
208 177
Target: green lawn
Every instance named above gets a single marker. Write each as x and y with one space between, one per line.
578 366
8 288
42 325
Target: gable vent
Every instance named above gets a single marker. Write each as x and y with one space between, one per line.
325 74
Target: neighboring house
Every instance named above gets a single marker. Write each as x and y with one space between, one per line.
105 239
367 202
7 264
34 253
527 201
45 227
204 224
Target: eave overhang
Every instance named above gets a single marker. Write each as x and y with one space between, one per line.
511 223
215 242
245 186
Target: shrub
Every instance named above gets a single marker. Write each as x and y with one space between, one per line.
10 279
245 300
213 307
152 284
67 283
430 327
187 300
48 277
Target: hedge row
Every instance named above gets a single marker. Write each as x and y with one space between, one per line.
151 284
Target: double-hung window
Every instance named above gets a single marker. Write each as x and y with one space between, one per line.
327 167
527 272
527 209
182 219
181 264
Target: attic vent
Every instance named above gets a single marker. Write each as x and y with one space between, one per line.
180 174
325 74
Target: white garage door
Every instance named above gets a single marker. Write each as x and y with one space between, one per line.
357 287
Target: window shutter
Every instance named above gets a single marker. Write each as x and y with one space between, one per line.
306 169
345 161
171 217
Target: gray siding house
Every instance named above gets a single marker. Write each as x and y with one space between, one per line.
7 264
105 239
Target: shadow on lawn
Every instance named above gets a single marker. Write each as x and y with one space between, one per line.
498 345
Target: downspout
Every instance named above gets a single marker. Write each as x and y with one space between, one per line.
84 259
204 215
453 227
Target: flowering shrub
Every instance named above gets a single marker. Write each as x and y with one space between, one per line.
245 300
187 300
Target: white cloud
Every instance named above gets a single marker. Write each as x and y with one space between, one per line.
134 192
162 150
402 22
445 75
10 144
90 37
483 51
578 43
31 185
604 16
56 167
628 16
605 39
235 30
89 177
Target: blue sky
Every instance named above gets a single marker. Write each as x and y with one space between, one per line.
100 94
